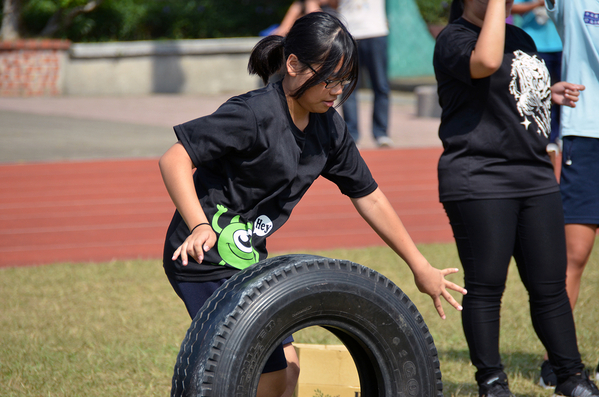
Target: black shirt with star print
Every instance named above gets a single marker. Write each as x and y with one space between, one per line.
494 130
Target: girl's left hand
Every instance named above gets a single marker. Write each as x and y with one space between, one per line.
431 281
566 94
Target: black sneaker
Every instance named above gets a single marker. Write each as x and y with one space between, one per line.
495 386
548 378
578 386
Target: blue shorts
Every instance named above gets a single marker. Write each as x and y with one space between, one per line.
195 294
579 180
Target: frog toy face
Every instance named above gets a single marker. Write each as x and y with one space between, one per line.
234 242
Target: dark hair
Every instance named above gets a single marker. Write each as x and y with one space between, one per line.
456 10
317 38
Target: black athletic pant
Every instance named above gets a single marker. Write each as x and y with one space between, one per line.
531 229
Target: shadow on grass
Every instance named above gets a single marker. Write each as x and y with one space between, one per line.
521 366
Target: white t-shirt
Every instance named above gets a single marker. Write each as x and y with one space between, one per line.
364 18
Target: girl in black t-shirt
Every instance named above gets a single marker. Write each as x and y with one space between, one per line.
256 156
497 185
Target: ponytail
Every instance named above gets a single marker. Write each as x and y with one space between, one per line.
317 38
267 57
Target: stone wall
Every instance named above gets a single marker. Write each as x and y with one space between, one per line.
32 67
207 66
55 67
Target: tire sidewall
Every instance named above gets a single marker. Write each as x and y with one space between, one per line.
258 308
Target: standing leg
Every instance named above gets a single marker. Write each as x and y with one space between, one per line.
485 232
292 369
579 244
350 109
540 254
350 115
580 197
373 55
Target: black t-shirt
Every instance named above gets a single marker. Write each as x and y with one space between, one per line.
494 130
253 167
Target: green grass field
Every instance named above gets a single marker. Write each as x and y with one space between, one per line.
114 329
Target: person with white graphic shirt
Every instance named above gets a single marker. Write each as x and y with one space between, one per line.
498 188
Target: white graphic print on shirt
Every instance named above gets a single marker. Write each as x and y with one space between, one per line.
530 86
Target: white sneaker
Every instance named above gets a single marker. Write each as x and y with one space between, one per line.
384 142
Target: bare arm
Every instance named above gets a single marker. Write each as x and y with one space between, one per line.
380 215
487 55
294 12
313 5
523 8
566 94
334 4
177 172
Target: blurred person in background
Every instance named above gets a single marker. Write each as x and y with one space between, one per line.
367 22
300 8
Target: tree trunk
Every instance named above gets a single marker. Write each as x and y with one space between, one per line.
10 20
61 21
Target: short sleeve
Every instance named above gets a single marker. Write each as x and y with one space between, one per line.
453 51
232 128
345 166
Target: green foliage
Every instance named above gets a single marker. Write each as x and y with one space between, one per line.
124 20
434 11
120 20
319 393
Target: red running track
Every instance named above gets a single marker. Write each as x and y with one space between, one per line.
118 209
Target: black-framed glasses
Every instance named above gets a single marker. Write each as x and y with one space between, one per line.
330 83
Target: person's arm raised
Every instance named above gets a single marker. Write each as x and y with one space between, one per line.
487 55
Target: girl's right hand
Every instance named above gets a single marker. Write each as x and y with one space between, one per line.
196 244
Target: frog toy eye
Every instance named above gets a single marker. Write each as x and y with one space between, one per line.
234 242
243 240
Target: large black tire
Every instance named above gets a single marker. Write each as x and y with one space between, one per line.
238 328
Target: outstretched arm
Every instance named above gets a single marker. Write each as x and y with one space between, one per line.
380 215
177 172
